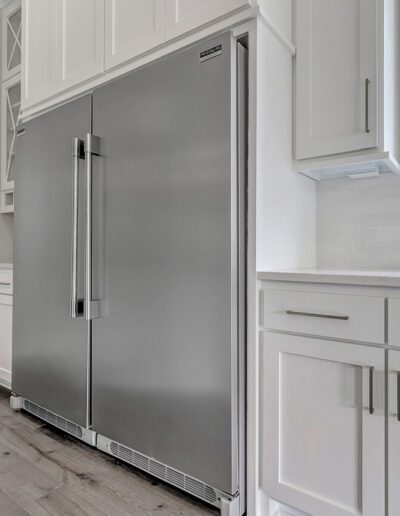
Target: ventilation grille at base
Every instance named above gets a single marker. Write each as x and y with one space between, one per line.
53 419
159 470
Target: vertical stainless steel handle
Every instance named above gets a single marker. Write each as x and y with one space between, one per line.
77 153
371 409
92 145
367 83
398 395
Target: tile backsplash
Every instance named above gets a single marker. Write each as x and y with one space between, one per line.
358 223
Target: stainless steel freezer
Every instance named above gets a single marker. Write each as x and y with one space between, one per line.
50 350
155 369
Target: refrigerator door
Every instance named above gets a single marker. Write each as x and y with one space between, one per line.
49 348
165 347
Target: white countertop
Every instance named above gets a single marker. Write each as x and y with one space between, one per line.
379 278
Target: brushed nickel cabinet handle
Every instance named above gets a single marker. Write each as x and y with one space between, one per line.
321 316
367 83
5 283
371 409
92 148
398 395
77 153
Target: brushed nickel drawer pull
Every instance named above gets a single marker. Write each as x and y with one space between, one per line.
371 409
367 83
5 283
321 316
398 395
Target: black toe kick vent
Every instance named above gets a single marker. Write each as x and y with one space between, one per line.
159 470
53 419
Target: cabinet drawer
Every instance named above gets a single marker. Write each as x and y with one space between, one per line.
6 283
394 322
340 316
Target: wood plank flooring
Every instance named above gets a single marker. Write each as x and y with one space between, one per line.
45 472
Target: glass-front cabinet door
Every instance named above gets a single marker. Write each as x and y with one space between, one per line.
11 40
10 110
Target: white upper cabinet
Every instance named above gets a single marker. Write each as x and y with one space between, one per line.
131 28
79 41
346 114
11 39
38 32
62 46
10 110
186 15
67 43
336 76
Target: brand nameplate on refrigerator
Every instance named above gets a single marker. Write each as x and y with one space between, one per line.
210 53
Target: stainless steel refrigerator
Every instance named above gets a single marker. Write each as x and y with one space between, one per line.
129 296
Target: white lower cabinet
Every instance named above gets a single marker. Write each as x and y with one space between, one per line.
394 433
5 339
323 425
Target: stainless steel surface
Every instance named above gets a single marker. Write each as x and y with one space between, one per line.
371 409
78 154
172 476
398 395
49 348
242 152
165 268
322 316
367 83
84 434
92 147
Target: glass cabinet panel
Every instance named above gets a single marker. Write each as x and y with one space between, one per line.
11 28
11 106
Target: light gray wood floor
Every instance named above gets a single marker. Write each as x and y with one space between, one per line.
45 472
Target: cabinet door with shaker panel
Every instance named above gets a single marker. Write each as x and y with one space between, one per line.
186 15
62 46
336 76
323 425
131 28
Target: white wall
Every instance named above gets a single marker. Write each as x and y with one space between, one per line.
286 201
358 223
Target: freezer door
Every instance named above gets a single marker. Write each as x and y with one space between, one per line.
164 350
49 348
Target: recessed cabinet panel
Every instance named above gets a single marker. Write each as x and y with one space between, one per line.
80 27
323 425
132 27
336 76
186 15
63 46
38 49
